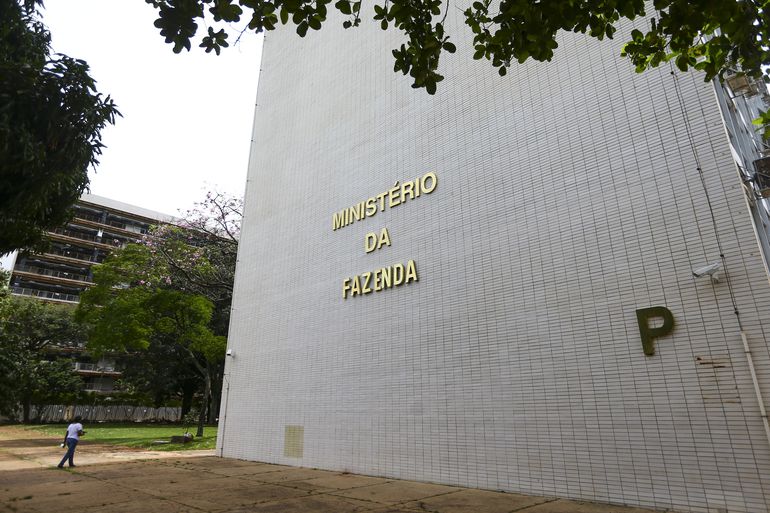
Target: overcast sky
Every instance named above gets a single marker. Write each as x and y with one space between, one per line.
187 117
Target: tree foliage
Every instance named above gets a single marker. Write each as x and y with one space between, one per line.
714 36
166 301
134 307
51 118
29 328
198 254
160 373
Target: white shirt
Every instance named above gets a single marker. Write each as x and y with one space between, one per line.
73 430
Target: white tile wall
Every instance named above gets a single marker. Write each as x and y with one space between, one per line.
568 197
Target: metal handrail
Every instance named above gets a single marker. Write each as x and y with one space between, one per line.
50 272
23 291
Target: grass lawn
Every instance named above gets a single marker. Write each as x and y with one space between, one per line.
140 436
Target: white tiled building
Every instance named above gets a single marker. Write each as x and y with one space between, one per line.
569 195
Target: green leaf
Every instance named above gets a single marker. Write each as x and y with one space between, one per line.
682 63
343 6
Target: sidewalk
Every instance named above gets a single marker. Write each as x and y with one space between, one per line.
121 480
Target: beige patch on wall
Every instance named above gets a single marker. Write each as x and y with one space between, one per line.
293 441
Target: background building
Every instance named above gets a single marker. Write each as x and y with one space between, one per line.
571 196
99 226
64 271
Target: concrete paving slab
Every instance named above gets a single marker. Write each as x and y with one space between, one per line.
307 486
345 481
212 463
242 471
78 498
38 490
17 505
26 476
287 475
246 495
107 471
478 501
396 509
312 504
114 480
568 506
160 485
396 492
146 505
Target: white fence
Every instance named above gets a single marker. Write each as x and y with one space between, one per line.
105 413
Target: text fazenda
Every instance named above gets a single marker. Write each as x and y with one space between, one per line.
381 279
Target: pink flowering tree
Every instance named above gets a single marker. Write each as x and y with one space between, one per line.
199 252
172 290
133 309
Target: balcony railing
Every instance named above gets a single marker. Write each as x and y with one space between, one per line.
98 387
91 367
75 235
46 294
88 217
51 272
74 254
128 227
61 234
112 229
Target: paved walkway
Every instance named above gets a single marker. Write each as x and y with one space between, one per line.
123 480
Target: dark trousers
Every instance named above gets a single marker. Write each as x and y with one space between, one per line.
71 444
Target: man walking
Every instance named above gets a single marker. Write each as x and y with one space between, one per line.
71 438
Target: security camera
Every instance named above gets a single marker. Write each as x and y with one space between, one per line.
708 270
229 352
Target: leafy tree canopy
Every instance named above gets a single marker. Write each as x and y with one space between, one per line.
160 373
135 307
198 255
709 35
127 309
33 325
51 118
166 301
28 375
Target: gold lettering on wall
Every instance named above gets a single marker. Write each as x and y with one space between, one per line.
394 275
379 280
372 241
399 194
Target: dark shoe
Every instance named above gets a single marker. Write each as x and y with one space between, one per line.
73 466
60 466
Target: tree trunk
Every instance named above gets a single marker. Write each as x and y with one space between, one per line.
159 399
26 407
216 400
216 392
204 400
188 391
